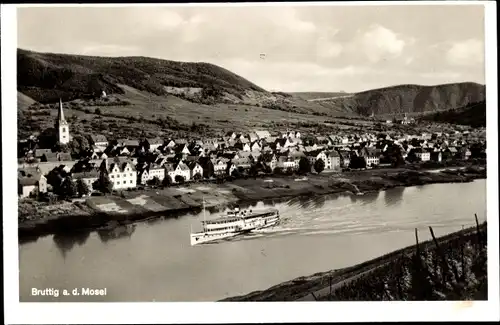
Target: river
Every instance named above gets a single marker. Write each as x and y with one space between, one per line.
153 261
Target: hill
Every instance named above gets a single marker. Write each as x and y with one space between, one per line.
46 77
473 115
408 99
317 95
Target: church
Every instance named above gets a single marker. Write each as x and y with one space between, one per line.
62 127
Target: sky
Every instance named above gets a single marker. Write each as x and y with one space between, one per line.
280 48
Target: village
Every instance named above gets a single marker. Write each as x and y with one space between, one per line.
114 165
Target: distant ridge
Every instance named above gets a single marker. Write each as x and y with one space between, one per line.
409 98
46 77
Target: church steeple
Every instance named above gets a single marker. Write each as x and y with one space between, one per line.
60 114
62 126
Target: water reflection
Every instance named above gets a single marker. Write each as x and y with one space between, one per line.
369 197
394 196
123 231
304 202
319 201
66 242
351 233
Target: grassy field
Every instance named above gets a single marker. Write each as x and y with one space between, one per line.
148 109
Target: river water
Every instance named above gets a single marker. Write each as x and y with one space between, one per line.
153 261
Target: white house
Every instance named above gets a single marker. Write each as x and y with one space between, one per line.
195 168
332 160
422 154
220 166
371 156
99 140
183 170
154 144
315 155
286 162
123 175
269 159
31 181
156 171
263 134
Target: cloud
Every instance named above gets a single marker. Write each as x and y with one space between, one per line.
288 19
316 47
380 43
466 53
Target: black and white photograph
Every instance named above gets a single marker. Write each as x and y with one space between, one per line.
251 152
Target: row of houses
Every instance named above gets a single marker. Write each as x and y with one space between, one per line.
132 162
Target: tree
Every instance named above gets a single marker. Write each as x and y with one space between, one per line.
304 165
103 184
167 181
319 165
179 179
357 162
208 169
412 157
60 147
155 181
68 188
254 170
55 179
279 171
78 145
82 188
393 156
97 111
236 173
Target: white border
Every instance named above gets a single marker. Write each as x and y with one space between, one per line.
39 313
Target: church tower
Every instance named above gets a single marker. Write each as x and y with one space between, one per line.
62 126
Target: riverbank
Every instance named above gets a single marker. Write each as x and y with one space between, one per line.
451 267
37 219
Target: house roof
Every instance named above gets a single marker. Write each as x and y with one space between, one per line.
332 153
64 156
87 174
98 138
156 141
182 166
369 152
262 134
131 143
41 152
28 176
192 164
313 153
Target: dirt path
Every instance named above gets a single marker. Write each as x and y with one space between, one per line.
324 293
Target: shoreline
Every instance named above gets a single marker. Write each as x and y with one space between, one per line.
174 202
339 284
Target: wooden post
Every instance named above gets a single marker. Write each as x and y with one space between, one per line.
462 262
416 239
445 266
330 282
479 241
